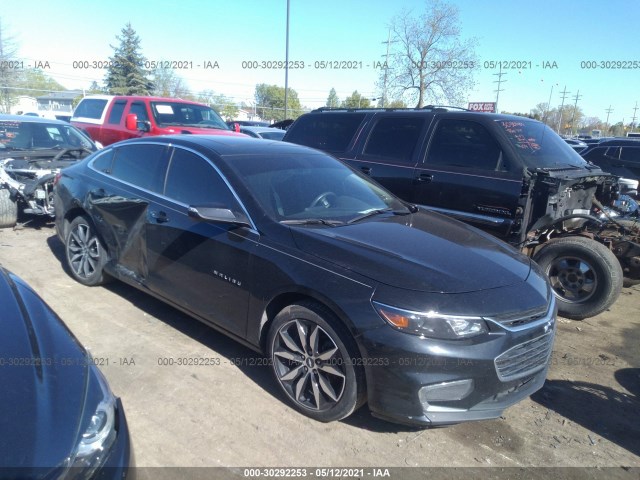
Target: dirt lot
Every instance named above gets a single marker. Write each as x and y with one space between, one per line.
231 414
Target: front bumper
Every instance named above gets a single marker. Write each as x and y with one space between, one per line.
500 369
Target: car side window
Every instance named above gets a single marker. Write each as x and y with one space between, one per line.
142 165
467 144
192 180
116 112
140 110
630 154
395 138
103 161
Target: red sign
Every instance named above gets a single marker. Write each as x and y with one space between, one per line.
486 107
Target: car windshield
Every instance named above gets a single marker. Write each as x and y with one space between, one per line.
313 189
186 115
539 146
17 135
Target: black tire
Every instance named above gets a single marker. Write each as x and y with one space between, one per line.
585 275
85 252
323 381
8 210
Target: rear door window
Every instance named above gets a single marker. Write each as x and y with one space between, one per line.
142 165
116 112
395 139
330 132
192 180
465 144
630 154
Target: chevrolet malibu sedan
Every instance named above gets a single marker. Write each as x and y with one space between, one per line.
353 295
60 419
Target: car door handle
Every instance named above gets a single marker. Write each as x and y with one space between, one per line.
160 217
366 170
425 177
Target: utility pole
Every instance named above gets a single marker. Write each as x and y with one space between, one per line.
575 107
608 110
633 120
564 95
286 67
386 69
499 81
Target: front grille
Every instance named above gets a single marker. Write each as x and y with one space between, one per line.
517 319
524 359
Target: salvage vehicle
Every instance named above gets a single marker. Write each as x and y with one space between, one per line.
61 420
510 176
108 119
353 295
32 151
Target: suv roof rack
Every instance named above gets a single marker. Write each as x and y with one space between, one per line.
434 108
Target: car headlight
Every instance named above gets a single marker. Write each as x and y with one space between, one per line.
98 432
432 324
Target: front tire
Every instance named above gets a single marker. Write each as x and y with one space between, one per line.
8 209
85 253
585 275
314 362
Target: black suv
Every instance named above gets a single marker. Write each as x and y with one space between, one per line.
620 156
508 175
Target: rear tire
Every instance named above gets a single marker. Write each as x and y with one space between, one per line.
85 252
586 277
314 361
8 209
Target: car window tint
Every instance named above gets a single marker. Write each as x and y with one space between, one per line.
142 165
462 143
90 108
331 132
395 138
116 112
140 110
103 161
630 154
192 180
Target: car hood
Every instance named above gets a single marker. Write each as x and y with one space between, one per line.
43 375
424 252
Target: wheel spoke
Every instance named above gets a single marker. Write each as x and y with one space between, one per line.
302 334
327 354
288 355
300 386
331 370
292 374
289 342
316 392
326 387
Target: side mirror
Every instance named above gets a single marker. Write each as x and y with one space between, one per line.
131 121
216 214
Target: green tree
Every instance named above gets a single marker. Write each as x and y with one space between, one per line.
9 73
356 100
126 74
332 100
270 102
396 104
36 82
428 59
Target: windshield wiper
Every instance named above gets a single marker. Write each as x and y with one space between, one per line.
378 211
312 221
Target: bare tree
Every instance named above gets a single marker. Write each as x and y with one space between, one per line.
429 60
10 69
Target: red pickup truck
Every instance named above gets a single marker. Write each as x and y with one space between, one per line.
108 119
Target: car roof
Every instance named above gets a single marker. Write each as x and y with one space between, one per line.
141 97
256 129
421 111
226 146
31 119
617 142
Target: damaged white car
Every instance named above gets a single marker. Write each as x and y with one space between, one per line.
32 151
